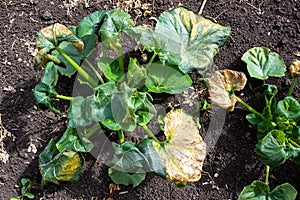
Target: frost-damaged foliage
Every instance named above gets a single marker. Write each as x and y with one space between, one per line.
121 89
183 38
222 85
278 124
183 152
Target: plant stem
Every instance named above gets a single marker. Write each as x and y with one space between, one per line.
291 90
83 73
121 136
121 61
92 130
294 143
63 97
150 134
151 59
267 174
95 71
249 107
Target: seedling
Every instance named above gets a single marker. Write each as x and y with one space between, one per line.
120 98
278 125
27 184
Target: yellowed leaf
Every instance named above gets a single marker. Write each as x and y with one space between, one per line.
222 85
184 151
295 68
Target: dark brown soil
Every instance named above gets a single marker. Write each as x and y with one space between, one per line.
233 163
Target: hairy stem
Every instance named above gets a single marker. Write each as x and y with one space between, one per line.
267 174
249 107
291 90
63 97
83 73
150 134
121 136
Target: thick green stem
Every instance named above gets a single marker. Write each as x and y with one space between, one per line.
291 90
95 71
121 61
294 143
63 97
150 134
121 136
267 174
152 59
92 130
83 73
249 107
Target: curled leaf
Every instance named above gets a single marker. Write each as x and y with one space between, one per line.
295 68
58 166
222 85
50 37
184 151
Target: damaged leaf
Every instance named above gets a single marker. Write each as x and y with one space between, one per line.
58 166
295 68
222 85
183 38
184 151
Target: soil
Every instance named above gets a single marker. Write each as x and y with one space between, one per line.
232 163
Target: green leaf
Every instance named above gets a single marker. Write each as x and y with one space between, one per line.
289 108
162 78
253 119
261 63
136 74
153 163
15 198
58 166
90 24
183 152
120 177
29 195
283 192
44 92
260 191
184 38
256 191
110 69
115 22
71 140
122 113
132 161
271 152
221 87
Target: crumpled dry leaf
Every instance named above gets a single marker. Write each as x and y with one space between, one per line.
222 85
295 68
184 151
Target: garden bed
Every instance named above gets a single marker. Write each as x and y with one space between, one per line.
230 166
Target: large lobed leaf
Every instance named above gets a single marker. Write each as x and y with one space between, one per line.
221 87
183 38
184 151
261 63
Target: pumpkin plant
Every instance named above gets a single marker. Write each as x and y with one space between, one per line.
121 89
278 124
